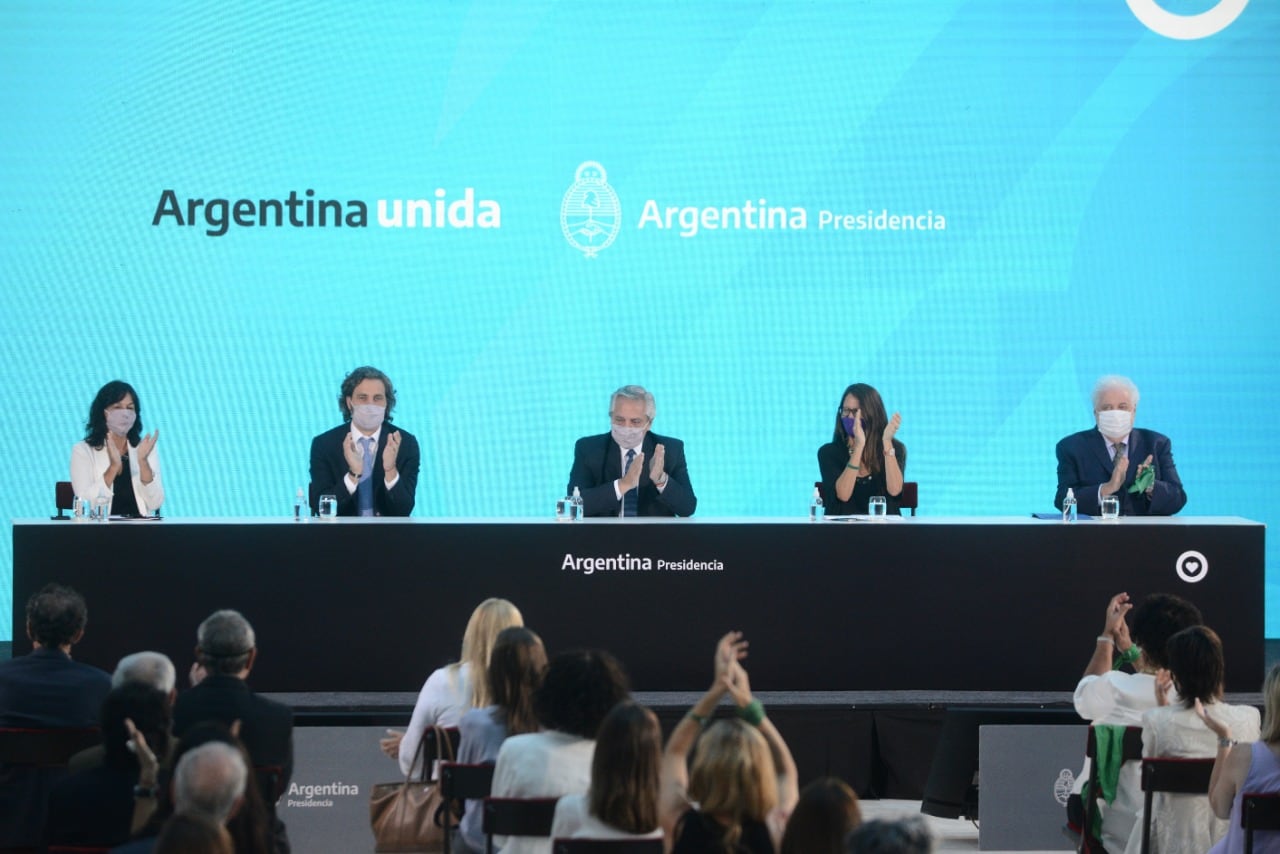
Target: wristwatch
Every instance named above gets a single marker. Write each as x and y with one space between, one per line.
890 452
144 792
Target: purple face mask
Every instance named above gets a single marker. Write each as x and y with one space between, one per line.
848 426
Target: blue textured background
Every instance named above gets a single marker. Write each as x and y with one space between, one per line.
1109 195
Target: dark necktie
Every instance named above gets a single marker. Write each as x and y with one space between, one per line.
1119 449
364 489
630 498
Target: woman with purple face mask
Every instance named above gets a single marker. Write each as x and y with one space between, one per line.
864 457
115 460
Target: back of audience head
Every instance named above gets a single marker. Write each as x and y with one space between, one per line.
1159 617
732 775
56 616
153 669
1271 706
907 835
225 643
149 710
1196 664
193 834
626 769
210 781
488 619
827 810
515 671
578 690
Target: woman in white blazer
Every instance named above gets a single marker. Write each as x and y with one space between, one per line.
115 459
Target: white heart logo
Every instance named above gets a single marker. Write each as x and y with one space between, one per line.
1191 566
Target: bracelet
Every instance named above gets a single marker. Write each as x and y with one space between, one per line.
852 466
1223 741
752 713
699 719
145 792
1106 639
1130 655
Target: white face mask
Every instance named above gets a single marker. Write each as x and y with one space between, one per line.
368 416
120 421
627 437
1115 423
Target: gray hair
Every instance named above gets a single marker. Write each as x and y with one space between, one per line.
1114 381
907 835
153 669
635 392
225 639
209 781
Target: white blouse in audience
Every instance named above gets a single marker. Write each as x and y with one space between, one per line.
541 765
575 821
480 739
443 700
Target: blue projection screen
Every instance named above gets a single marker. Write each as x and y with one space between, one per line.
513 208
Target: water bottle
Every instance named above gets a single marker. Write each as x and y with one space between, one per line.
575 506
815 505
301 512
1069 506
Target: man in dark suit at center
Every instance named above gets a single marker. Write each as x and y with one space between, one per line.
226 650
369 467
630 471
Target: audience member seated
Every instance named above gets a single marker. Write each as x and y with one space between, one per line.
515 671
95 807
225 653
741 788
1184 823
907 835
192 834
452 690
825 813
577 692
248 823
1111 699
150 669
45 688
1241 768
622 802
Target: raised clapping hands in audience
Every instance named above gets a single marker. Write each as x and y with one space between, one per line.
197 673
1216 727
391 744
1164 684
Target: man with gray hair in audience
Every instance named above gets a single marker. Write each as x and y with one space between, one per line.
906 835
210 781
226 649
152 669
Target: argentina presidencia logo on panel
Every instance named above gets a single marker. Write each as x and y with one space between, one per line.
1187 27
590 213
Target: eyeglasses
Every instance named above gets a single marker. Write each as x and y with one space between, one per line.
847 413
633 422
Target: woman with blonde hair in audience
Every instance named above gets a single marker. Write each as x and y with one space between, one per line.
515 672
1184 823
622 802
1242 768
741 788
453 689
826 812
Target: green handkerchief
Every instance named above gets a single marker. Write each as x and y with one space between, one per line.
1143 482
1109 739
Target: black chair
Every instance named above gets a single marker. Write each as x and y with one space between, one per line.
1177 776
607 846
45 748
1130 752
32 761
1258 812
517 817
910 497
460 783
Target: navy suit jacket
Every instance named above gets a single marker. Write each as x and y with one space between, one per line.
597 463
329 467
1084 465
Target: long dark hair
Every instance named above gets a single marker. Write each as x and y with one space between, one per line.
95 429
826 812
871 410
625 770
516 666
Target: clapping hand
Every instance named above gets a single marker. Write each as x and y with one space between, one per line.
389 454
657 464
1115 627
113 452
631 479
391 744
148 767
1218 728
891 429
355 460
146 444
1119 468
1164 682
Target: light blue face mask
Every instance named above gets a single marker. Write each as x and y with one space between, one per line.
368 416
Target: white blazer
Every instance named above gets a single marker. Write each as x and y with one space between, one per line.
88 465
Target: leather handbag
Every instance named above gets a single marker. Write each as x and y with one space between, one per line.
405 816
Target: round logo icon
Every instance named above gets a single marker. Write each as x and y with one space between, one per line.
1192 566
590 215
1186 27
1063 785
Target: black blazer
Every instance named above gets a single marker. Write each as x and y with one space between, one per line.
1084 465
329 467
597 463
